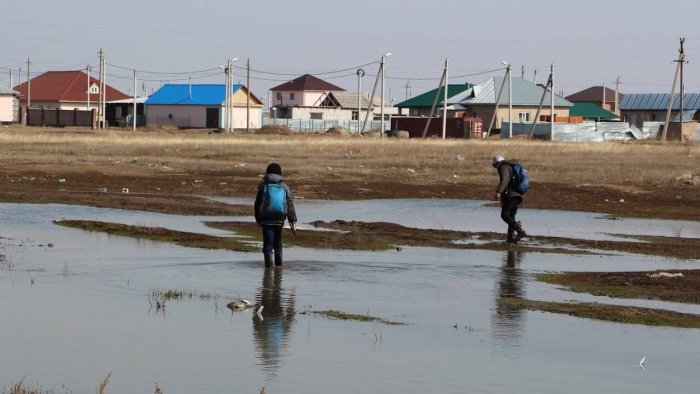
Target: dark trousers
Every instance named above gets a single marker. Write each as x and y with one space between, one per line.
272 238
509 208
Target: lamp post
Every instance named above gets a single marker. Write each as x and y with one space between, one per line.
381 132
510 99
228 107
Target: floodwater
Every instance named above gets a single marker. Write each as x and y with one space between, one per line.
75 307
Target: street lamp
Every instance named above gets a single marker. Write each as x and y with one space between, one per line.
510 99
228 70
381 132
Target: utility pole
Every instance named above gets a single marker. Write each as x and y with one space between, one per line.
679 63
29 88
408 89
87 71
682 61
444 102
135 105
551 95
510 101
498 99
522 72
247 103
10 78
360 73
617 96
539 108
226 93
382 67
100 96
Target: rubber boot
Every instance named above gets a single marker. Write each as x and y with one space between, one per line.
278 257
520 233
268 259
511 233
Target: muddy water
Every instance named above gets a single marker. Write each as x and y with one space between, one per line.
79 309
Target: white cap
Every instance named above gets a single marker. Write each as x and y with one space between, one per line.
497 159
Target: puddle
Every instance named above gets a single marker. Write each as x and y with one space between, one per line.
77 310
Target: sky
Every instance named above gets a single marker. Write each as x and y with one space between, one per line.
589 43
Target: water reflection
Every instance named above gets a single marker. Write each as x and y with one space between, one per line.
273 326
508 321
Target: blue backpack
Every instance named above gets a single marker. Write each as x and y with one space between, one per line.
274 201
521 179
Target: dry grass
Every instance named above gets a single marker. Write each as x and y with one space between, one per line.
626 165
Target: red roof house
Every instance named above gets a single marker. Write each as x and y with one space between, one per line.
65 90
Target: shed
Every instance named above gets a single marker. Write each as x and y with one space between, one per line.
201 106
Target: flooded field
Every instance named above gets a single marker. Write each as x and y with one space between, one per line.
76 306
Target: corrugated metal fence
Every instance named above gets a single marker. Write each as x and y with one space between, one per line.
321 125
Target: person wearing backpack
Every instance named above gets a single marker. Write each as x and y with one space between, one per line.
510 193
273 204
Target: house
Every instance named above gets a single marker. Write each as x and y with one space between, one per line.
67 90
422 104
311 98
201 106
598 95
637 108
590 112
340 105
480 101
9 105
304 91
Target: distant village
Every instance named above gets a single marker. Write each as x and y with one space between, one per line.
500 106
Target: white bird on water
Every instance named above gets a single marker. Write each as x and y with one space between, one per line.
642 361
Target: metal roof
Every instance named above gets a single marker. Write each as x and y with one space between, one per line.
348 100
594 94
308 83
65 86
590 111
186 94
525 93
6 90
425 100
659 101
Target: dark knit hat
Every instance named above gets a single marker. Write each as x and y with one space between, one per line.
274 168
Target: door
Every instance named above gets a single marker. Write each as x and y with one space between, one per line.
212 118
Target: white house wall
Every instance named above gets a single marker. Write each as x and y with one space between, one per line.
178 115
8 108
239 118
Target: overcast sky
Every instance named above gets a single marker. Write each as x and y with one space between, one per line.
589 42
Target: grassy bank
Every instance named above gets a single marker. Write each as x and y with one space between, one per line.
635 179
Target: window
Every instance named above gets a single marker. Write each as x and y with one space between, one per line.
279 96
291 96
94 89
523 117
316 115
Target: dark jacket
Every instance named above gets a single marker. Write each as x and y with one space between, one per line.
505 187
259 216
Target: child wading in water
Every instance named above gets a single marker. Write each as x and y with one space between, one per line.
273 204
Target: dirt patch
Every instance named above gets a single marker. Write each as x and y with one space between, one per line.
182 238
275 130
666 285
338 315
613 313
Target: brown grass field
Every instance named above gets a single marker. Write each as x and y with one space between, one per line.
633 179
